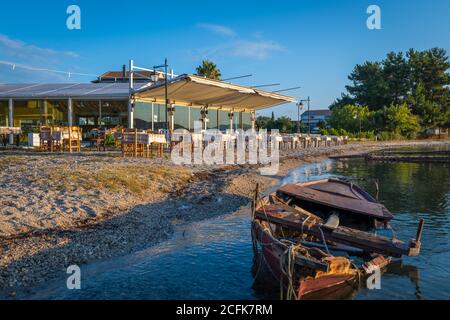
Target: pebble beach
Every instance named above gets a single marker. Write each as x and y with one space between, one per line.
59 210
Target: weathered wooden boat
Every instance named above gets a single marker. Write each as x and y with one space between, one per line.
286 214
309 272
280 224
354 206
304 272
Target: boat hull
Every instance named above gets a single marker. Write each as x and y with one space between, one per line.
333 286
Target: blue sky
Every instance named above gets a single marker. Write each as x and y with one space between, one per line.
312 44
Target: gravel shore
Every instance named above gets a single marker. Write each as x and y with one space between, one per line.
60 210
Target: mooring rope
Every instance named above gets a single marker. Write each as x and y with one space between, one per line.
323 239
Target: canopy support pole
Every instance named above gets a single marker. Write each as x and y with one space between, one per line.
130 97
172 117
231 116
70 112
253 118
11 119
45 111
130 114
100 116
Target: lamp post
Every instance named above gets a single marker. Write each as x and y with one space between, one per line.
300 105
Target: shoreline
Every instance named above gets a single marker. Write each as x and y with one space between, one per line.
38 257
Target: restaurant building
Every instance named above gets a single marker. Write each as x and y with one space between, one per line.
135 99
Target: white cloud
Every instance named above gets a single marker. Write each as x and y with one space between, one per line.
254 47
259 49
216 28
32 62
22 49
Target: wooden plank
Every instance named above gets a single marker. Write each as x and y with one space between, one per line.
364 240
375 210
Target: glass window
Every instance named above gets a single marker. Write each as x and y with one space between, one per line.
195 116
143 115
159 116
224 121
86 121
4 113
27 115
114 113
56 114
246 120
182 118
213 119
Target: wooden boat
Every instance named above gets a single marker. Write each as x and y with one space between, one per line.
354 206
287 215
305 273
279 225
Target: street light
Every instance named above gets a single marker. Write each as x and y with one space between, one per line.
300 105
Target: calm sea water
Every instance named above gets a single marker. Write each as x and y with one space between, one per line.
213 259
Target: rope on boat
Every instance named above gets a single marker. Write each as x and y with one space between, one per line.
323 239
303 224
287 267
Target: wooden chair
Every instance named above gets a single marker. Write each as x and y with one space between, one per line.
131 146
98 138
57 139
72 137
45 139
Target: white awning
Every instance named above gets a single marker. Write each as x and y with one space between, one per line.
190 90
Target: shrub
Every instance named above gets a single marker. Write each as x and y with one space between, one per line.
370 135
384 136
333 132
109 140
324 132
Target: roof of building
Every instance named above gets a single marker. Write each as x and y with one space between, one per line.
325 112
65 90
188 90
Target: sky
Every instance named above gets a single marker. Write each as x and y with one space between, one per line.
312 44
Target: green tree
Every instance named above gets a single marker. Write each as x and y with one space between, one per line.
265 123
209 70
351 118
396 73
400 120
285 124
368 87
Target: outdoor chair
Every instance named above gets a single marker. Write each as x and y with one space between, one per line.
131 147
71 139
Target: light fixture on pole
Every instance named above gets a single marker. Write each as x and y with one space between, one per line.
300 104
299 108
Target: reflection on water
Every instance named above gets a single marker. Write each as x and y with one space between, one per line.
214 259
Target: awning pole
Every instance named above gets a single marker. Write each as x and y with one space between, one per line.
70 112
45 112
11 119
230 116
100 116
130 96
253 115
153 117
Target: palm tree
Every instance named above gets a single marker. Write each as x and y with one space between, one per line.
209 70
